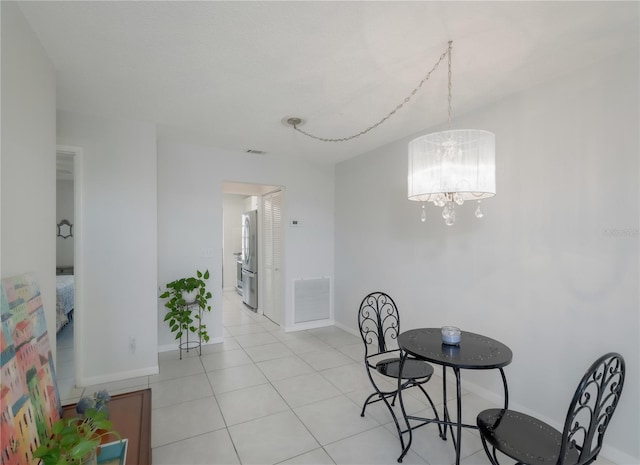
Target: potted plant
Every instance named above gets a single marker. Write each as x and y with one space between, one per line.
181 294
75 440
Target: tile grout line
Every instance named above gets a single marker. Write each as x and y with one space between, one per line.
226 425
290 408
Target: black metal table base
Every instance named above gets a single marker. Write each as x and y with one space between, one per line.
446 418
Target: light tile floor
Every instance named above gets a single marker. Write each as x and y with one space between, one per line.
264 396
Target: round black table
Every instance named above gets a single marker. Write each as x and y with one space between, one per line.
474 352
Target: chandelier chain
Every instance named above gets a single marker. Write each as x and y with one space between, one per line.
397 108
449 53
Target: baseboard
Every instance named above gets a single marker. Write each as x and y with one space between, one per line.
347 329
618 457
308 325
170 347
119 376
167 348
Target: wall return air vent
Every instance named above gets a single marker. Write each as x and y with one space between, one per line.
311 299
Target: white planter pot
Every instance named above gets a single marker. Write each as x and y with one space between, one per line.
189 297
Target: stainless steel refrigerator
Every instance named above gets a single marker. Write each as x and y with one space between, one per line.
250 258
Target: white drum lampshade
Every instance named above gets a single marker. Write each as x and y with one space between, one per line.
449 167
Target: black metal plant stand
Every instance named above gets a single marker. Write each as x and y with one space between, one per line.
188 345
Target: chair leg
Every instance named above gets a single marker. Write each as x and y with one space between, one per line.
435 412
491 455
382 396
395 419
366 402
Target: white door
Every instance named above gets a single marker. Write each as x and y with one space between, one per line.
272 244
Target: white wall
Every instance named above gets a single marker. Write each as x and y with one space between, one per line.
233 208
552 268
190 218
119 233
64 211
28 163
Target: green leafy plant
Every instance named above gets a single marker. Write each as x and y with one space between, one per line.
75 439
180 315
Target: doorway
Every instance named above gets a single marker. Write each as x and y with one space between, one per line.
273 306
68 263
239 198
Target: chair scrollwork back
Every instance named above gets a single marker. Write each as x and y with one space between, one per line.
379 323
592 407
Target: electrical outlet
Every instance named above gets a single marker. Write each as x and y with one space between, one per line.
132 344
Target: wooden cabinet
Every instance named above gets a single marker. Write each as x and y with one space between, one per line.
130 414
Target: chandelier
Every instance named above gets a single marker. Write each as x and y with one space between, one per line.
447 167
450 167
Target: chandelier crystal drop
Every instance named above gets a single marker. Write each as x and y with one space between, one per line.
450 167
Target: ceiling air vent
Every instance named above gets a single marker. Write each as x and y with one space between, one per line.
257 152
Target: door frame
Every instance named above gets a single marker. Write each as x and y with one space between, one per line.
78 249
259 190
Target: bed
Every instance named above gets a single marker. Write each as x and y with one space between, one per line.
64 299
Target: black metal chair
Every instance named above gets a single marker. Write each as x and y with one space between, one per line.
379 323
533 442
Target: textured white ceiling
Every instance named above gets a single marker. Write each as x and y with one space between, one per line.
226 73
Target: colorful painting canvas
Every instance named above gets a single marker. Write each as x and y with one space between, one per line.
30 402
